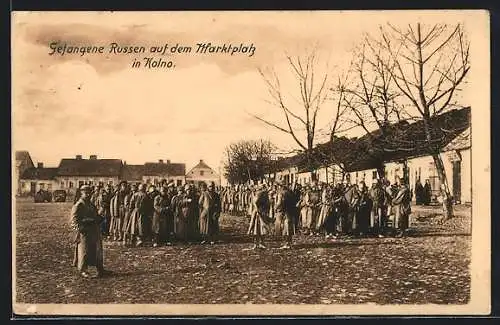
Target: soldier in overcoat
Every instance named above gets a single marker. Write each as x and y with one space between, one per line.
85 221
118 211
161 211
402 208
260 216
210 209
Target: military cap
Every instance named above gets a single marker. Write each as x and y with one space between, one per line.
85 188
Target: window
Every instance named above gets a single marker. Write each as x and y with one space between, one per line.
49 187
80 183
70 184
201 172
374 174
179 182
101 183
62 184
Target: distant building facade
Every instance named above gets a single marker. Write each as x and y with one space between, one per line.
202 173
132 173
37 178
155 173
22 162
75 172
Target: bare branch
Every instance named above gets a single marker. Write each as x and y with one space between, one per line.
442 44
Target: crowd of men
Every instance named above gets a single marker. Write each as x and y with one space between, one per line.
135 214
319 209
138 214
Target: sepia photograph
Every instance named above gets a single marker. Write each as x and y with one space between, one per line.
251 163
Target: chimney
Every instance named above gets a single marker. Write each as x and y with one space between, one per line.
201 161
40 165
78 156
168 161
124 162
93 157
160 161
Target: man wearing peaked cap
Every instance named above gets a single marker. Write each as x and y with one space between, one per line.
88 242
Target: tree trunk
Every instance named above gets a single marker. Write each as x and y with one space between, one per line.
444 190
381 171
406 172
313 176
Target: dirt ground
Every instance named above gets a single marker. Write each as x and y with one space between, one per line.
431 266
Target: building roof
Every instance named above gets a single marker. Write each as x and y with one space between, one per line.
39 173
408 140
201 165
23 155
90 167
132 172
396 142
164 169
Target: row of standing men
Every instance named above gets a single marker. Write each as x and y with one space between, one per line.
322 209
136 214
133 216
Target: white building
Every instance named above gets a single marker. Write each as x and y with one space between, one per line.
38 178
155 173
203 173
75 172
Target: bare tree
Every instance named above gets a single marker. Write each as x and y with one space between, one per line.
248 160
427 64
373 102
301 123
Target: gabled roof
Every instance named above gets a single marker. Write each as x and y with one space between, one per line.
164 169
90 167
201 165
132 172
39 173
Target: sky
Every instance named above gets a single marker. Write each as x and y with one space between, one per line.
97 104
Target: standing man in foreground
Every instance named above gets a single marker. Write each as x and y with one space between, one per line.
160 214
286 206
88 242
402 208
210 208
260 217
